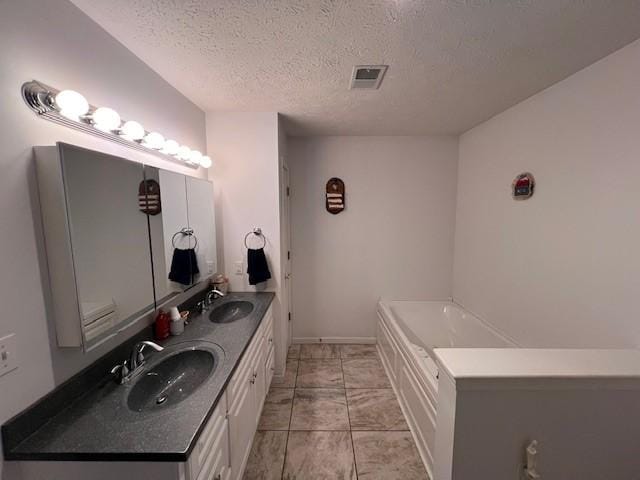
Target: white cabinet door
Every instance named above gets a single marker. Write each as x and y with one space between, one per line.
269 368
259 386
241 427
216 466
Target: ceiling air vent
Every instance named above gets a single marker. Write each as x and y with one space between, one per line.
367 76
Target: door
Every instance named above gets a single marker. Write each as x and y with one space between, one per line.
286 238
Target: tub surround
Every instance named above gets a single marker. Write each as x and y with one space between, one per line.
474 401
581 406
468 364
97 426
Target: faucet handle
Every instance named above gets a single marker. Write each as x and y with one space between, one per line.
121 371
201 306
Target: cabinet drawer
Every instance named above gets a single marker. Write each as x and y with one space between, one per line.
213 430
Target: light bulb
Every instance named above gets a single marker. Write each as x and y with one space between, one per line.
194 157
184 153
132 130
170 147
154 140
206 162
106 119
71 104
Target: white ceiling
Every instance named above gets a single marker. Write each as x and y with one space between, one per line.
452 63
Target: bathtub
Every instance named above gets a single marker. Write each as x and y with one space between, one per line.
407 334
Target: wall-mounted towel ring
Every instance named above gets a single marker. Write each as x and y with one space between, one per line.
186 232
258 233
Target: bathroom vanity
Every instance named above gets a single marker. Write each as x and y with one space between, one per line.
106 430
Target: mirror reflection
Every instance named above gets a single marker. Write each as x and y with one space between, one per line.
109 239
182 233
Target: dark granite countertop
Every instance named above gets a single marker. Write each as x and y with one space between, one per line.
99 426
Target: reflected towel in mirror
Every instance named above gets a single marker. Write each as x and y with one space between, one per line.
184 266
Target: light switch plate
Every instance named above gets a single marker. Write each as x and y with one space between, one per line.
238 267
8 357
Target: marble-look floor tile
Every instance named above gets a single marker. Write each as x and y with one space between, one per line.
266 459
319 351
364 373
387 456
276 412
294 351
319 409
375 409
289 378
319 456
320 373
358 351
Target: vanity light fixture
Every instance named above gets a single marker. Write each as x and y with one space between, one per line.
195 157
71 104
170 147
106 119
71 109
206 162
154 140
184 153
132 131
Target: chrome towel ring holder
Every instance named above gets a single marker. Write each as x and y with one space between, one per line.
185 232
258 233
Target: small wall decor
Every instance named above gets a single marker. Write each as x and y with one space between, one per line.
149 197
523 186
335 196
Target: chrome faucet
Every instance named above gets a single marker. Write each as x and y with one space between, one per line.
137 358
203 305
129 368
211 296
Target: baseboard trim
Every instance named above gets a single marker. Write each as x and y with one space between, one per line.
361 340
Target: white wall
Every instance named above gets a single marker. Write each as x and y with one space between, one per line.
244 147
394 239
561 269
54 42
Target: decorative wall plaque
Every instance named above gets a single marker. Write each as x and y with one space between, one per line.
523 186
149 197
335 196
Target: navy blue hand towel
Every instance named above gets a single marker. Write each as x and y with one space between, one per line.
257 266
184 266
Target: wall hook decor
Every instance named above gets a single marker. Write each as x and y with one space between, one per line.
335 196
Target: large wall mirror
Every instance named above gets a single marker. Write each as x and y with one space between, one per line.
121 238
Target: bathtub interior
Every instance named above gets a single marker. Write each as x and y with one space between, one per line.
430 325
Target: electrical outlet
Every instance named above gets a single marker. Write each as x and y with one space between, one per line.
8 360
238 267
210 267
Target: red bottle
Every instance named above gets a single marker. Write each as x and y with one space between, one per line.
162 325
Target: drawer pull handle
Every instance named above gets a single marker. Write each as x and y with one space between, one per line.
218 477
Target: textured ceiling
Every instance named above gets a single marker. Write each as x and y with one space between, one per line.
452 63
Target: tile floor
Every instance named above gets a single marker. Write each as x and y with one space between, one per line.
333 416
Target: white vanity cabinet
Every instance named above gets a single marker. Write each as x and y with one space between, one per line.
221 451
246 393
225 443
